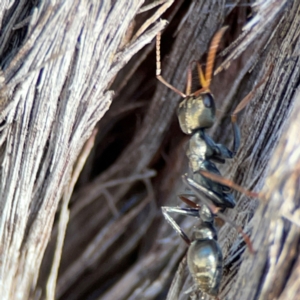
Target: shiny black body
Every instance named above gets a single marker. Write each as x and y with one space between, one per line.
204 257
196 113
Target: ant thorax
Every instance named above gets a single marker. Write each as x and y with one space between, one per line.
198 150
196 112
201 152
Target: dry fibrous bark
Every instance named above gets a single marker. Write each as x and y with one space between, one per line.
59 61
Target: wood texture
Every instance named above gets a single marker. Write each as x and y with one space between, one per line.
60 63
58 60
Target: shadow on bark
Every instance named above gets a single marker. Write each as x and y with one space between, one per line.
60 63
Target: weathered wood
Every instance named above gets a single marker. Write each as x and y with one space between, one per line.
104 254
118 246
58 60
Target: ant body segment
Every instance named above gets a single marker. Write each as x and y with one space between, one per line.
196 113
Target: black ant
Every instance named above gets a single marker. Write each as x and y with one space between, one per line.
196 113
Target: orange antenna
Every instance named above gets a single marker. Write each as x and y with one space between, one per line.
212 54
205 80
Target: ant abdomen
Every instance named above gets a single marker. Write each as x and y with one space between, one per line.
205 262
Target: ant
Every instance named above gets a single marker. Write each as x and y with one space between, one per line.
196 113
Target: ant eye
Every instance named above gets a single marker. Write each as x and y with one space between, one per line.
208 100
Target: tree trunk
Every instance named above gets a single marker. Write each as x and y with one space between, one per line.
58 62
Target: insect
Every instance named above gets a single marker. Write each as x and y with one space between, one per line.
196 113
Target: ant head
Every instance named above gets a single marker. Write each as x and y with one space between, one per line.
196 112
198 109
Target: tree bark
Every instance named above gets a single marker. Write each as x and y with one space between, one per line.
59 62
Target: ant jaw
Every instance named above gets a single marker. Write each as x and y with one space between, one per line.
205 90
203 82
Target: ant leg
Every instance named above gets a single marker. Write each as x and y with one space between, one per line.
229 183
224 200
240 107
158 69
247 99
190 212
166 210
216 210
236 137
204 213
203 193
184 198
